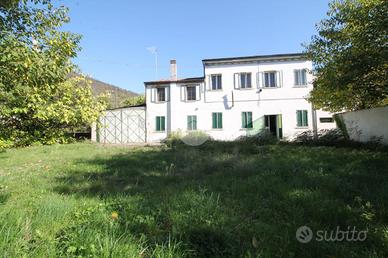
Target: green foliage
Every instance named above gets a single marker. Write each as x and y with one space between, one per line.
134 101
220 199
192 138
325 137
350 56
38 102
262 138
341 125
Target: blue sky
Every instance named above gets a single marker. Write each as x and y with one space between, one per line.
116 34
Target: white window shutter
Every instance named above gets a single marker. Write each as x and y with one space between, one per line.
279 78
183 94
167 92
236 81
262 79
208 83
153 94
198 92
259 77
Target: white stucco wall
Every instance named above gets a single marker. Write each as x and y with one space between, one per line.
284 101
366 124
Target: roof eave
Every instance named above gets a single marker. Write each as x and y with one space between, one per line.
263 58
187 80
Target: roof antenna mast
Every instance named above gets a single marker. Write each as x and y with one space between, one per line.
154 50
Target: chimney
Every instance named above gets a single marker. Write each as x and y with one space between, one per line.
173 72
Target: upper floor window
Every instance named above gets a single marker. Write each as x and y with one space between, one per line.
270 79
191 92
245 80
300 77
216 81
161 94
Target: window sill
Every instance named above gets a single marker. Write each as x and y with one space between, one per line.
159 102
246 129
160 131
251 88
302 127
190 101
272 88
216 129
300 86
215 90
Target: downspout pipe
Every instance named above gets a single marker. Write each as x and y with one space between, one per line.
315 122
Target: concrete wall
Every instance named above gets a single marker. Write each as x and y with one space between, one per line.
364 125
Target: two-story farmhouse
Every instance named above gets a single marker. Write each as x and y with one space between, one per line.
237 96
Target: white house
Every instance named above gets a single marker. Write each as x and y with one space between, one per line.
237 96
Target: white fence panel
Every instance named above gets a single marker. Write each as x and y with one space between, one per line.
122 126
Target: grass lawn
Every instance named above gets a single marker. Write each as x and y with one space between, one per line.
216 200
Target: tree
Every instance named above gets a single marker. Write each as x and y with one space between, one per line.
38 100
134 101
350 56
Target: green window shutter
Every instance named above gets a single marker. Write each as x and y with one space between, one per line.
249 125
214 118
219 120
188 122
163 123
243 120
305 118
280 126
298 118
191 122
157 123
194 122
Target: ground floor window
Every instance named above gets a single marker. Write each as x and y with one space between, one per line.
217 120
160 123
326 120
246 118
301 118
191 123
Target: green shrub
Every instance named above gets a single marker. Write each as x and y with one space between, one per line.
263 138
5 143
328 137
336 138
194 138
173 139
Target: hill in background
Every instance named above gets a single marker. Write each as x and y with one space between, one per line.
117 94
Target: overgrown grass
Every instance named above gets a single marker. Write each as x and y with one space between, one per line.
219 199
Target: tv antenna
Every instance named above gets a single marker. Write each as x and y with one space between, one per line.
154 50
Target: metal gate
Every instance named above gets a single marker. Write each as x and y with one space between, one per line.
122 126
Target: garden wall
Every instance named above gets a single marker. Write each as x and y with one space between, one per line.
366 125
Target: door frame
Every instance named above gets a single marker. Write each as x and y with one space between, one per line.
278 124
